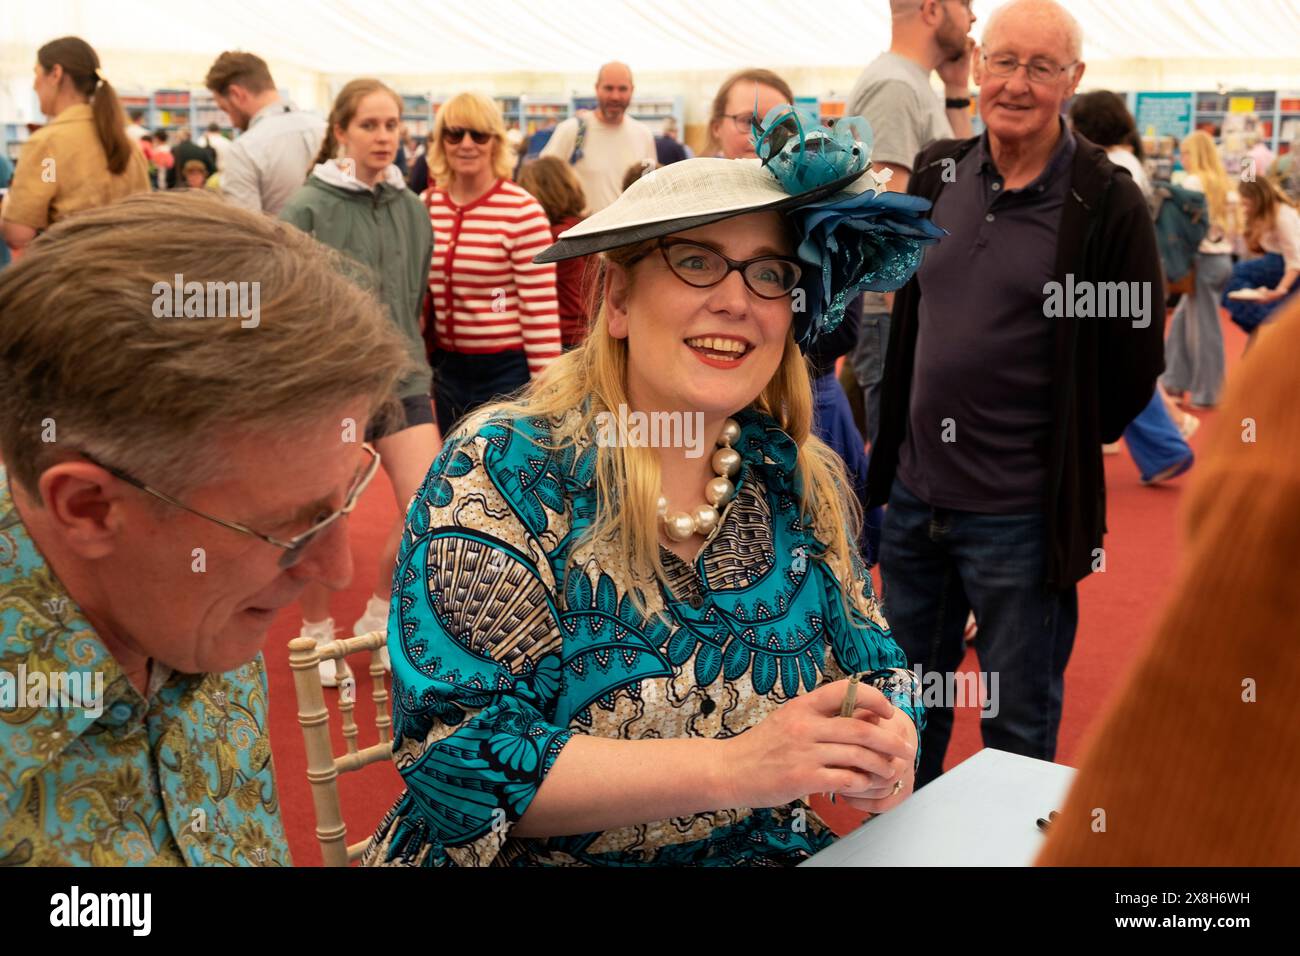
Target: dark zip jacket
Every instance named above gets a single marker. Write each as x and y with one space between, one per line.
1103 370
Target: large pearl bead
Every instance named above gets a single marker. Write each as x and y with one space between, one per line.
663 506
719 491
730 432
726 461
706 518
679 526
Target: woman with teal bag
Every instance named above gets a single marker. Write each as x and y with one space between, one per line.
626 604
355 200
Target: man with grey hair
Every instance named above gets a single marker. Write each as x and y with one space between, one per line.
603 146
894 95
153 525
998 393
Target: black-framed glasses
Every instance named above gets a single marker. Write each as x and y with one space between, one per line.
742 121
768 277
454 134
293 547
1039 70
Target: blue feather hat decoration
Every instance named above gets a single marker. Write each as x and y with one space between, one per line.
857 240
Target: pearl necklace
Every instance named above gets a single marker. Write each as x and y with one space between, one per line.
702 519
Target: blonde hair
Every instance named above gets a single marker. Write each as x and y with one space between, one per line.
1203 161
628 479
553 183
82 352
472 111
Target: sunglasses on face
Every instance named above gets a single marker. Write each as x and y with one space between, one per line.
454 134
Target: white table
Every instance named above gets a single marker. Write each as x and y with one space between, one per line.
982 812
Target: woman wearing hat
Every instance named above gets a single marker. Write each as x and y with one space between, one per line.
626 604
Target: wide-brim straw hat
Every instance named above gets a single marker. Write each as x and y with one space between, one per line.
689 194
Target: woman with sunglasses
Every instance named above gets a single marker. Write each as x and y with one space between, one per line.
627 602
492 319
355 200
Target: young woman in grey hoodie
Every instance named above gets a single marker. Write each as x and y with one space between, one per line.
356 201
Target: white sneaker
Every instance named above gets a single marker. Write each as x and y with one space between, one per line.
370 621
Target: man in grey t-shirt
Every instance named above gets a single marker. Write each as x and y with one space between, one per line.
895 96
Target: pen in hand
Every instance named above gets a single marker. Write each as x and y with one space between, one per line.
850 702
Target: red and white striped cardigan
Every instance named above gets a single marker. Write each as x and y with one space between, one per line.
486 293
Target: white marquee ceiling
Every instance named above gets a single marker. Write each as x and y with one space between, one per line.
505 36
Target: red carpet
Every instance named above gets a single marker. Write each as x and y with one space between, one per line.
1117 612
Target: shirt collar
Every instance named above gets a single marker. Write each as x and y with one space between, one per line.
279 106
76 113
49 634
1056 166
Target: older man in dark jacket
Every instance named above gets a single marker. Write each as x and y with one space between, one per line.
1031 335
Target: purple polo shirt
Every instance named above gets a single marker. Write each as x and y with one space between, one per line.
981 406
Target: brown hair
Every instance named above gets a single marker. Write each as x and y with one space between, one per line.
345 107
81 65
553 183
765 77
635 172
472 111
243 69
1267 199
79 329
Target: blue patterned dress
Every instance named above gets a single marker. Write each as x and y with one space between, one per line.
508 635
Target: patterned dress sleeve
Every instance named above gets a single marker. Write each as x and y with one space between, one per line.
475 646
861 643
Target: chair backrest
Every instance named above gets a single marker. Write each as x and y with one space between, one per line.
323 767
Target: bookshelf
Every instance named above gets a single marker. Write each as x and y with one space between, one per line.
417 114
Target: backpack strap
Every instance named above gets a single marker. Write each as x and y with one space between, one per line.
578 141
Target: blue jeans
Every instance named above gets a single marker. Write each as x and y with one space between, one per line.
462 382
937 566
1155 442
868 360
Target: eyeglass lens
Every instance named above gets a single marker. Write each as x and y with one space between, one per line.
701 267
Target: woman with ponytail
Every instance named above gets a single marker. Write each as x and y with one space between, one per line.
82 158
355 200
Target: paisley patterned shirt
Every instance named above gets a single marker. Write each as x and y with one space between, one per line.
91 772
508 635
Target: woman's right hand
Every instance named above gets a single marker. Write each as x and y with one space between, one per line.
805 747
